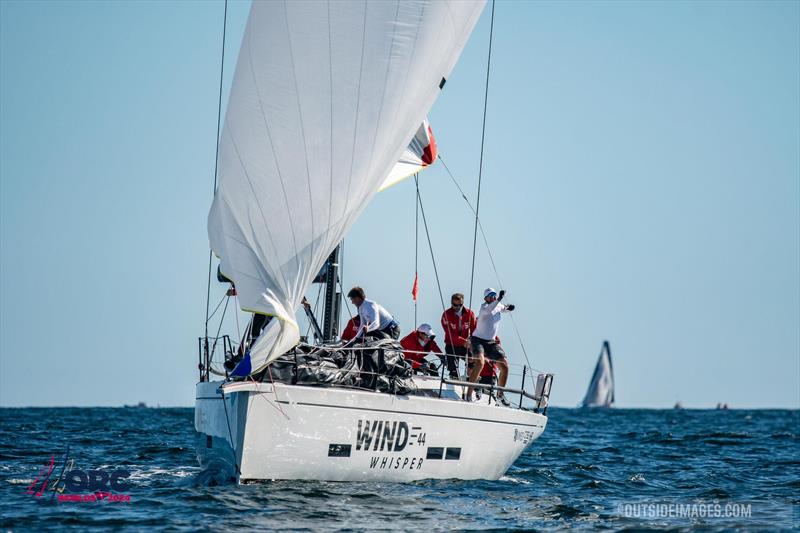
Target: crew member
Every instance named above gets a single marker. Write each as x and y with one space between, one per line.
416 345
376 322
483 343
351 329
458 322
488 374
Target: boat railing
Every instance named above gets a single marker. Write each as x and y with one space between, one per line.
209 346
542 385
206 349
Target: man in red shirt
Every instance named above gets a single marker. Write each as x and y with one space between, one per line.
458 322
416 345
351 329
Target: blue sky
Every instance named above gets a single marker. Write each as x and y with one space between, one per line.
641 185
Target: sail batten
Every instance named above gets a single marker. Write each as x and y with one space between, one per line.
326 98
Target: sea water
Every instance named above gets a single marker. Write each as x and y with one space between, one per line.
612 469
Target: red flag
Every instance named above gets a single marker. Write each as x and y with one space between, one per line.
415 288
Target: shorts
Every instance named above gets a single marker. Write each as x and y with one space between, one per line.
490 349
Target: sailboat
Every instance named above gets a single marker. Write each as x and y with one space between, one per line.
328 106
601 388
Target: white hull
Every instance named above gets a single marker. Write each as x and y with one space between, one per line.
279 431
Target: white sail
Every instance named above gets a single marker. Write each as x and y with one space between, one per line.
325 98
601 388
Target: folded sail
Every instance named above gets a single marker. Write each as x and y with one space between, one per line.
601 388
326 97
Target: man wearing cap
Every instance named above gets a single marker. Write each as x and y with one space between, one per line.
484 345
376 322
416 345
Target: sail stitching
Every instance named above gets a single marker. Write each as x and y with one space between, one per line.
358 109
385 79
272 148
255 197
383 96
302 130
247 246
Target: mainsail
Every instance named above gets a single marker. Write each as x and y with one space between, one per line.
601 388
326 97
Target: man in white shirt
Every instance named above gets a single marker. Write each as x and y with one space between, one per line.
376 322
484 340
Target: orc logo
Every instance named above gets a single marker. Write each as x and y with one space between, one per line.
66 483
97 480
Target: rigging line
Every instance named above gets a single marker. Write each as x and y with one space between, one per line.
214 312
480 224
416 250
314 311
346 305
491 256
480 165
216 153
274 391
430 246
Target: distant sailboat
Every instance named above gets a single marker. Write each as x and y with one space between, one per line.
601 388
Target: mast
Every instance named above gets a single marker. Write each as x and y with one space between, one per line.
330 326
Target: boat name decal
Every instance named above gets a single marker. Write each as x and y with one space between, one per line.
395 463
387 435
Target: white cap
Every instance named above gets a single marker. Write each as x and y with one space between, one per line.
425 328
489 291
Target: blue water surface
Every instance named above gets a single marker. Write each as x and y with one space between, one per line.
592 469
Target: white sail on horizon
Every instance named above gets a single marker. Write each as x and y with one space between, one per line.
601 388
325 99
